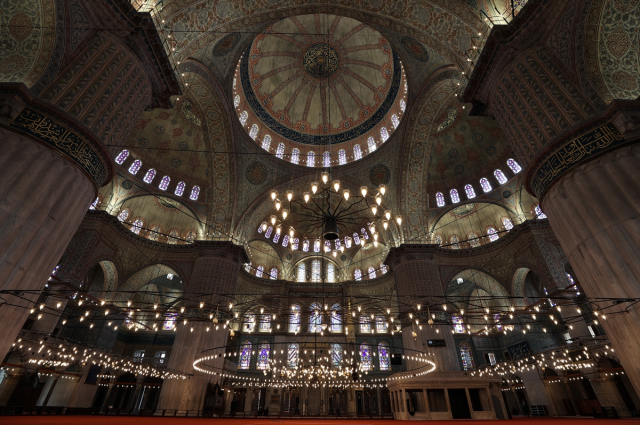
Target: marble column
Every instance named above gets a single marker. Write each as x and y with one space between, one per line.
595 211
43 197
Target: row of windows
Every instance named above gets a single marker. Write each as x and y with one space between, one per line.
150 175
484 184
472 238
315 274
306 245
156 232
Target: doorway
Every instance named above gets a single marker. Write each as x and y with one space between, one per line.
459 404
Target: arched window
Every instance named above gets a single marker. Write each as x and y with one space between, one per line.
266 142
471 193
247 267
236 101
311 159
315 320
305 245
316 245
273 274
403 105
280 150
458 324
276 237
253 133
245 355
372 272
365 323
383 356
285 241
94 204
502 179
294 320
515 167
381 324
250 322
466 356
137 226
438 240
265 323
342 157
195 193
539 213
454 242
365 235
348 242
507 223
315 271
295 156
173 237
326 159
384 134
383 268
440 199
295 243
395 121
122 157
493 234
302 272
327 246
357 274
474 241
243 117
259 271
336 318
267 234
337 244
293 355
263 355
164 183
180 189
149 176
336 355
365 356
135 167
154 234
331 272
356 238
455 198
123 215
486 186
357 152
371 144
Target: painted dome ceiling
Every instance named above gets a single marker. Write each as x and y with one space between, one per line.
320 83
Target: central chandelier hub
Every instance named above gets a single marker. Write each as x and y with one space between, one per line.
331 231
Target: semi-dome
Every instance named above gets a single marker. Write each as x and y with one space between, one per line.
320 89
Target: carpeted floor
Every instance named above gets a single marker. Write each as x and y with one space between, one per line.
132 420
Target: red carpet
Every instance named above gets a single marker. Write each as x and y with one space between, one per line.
129 420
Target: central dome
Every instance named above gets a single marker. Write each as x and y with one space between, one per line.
322 84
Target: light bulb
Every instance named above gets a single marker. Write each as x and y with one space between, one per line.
399 220
278 205
346 194
273 219
278 230
264 226
289 194
362 242
378 199
375 236
325 177
385 224
306 196
335 253
387 213
291 231
363 190
342 250
383 189
285 213
374 210
375 244
274 194
314 187
336 185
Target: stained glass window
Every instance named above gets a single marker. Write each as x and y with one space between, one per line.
124 214
331 272
502 179
383 268
236 101
245 355
280 150
243 117
259 271
507 223
336 318
263 355
493 234
357 274
276 237
496 320
440 199
348 241
455 198
458 324
327 246
250 322
357 152
295 156
372 273
293 355
337 244
326 159
316 245
267 234
384 134
315 320
137 226
365 356
403 105
169 321
471 193
265 323
154 234
371 144
515 167
253 133
173 237
455 242
395 121
285 241
342 157
315 271
474 241
336 355
164 183
180 189
381 324
149 176
122 157
94 204
305 245
135 167
273 274
266 142
539 213
365 323
466 356
295 243
486 186
247 267
262 227
356 238
383 356
195 193
365 235
294 320
311 159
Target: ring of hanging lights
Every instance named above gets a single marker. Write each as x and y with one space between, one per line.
329 209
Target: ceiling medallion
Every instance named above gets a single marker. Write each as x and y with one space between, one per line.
320 60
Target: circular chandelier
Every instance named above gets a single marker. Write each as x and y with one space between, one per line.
336 213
